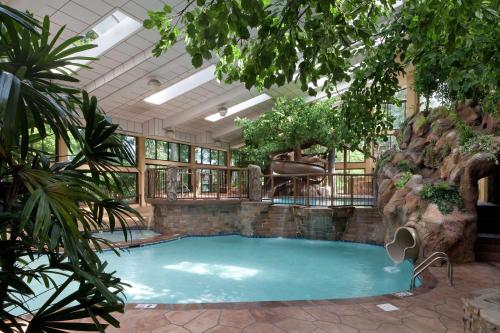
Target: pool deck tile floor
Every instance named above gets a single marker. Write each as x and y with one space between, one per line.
435 310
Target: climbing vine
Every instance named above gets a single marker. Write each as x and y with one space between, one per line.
444 195
401 182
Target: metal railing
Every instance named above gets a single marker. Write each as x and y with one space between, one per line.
199 183
320 189
420 268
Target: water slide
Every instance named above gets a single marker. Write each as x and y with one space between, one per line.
405 245
283 164
283 167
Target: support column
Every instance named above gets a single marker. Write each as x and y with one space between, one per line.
254 184
171 183
141 168
412 102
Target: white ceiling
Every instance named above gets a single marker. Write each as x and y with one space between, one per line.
119 78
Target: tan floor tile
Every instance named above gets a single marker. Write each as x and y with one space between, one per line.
423 312
360 322
391 328
346 309
450 310
266 315
393 317
223 329
204 321
170 329
182 317
320 313
424 324
452 324
294 312
152 320
371 307
295 325
262 328
335 328
236 318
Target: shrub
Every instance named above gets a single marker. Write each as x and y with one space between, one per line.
420 121
405 178
444 195
480 143
405 166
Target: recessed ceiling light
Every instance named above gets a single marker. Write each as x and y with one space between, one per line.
239 107
183 86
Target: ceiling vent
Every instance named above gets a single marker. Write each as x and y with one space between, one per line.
170 132
154 84
222 111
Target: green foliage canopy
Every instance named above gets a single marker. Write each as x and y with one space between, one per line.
264 43
296 124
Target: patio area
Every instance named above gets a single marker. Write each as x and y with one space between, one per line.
438 310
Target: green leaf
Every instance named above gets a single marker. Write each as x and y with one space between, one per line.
197 60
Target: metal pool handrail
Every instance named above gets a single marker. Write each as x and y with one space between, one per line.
428 262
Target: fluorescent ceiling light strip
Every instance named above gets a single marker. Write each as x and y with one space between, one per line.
240 107
183 86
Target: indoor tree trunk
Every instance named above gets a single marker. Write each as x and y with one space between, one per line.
297 153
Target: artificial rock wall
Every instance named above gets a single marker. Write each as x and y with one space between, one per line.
430 143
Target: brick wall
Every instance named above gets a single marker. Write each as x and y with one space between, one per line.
207 217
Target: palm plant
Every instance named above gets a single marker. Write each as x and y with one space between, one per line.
48 211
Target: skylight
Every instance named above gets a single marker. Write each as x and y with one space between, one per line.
240 107
106 34
183 86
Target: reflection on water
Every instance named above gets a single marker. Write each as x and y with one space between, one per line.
222 271
139 291
392 269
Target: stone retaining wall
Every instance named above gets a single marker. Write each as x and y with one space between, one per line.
211 217
482 311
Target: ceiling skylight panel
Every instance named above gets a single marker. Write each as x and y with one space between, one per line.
240 107
183 86
106 34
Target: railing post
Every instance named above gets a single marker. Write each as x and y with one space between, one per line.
272 186
332 189
195 183
217 182
308 192
351 189
294 190
182 182
146 183
240 183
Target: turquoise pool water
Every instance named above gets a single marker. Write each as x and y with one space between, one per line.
118 236
238 269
